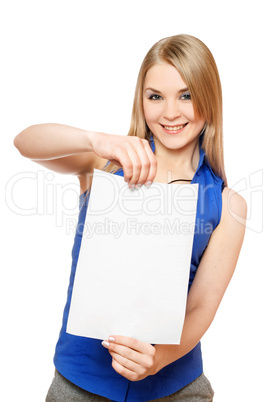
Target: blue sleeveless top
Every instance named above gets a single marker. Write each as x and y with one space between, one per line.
86 363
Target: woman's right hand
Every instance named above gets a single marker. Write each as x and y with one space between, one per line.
132 153
70 150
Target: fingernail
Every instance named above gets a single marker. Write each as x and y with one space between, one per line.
132 186
148 184
138 186
104 343
111 338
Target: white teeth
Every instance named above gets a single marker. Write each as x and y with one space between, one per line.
174 128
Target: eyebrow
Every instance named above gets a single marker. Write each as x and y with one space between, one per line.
158 92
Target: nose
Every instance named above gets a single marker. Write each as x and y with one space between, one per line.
172 110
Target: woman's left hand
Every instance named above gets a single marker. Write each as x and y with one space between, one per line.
133 359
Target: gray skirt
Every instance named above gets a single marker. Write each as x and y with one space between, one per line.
62 390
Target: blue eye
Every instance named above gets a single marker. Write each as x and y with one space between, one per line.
186 96
155 97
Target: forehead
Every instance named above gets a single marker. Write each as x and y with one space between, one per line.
164 76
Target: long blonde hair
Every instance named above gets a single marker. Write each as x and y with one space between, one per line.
197 67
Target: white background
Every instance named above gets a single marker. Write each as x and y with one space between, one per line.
76 62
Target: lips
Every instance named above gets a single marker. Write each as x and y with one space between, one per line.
174 129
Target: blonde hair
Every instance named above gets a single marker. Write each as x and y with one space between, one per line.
197 67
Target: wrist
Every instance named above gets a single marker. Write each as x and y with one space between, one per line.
158 363
91 139
165 355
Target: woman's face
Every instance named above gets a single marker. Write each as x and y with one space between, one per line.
168 108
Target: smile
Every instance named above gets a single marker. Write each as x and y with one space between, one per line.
174 128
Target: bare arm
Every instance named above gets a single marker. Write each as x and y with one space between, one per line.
71 150
136 360
58 147
212 278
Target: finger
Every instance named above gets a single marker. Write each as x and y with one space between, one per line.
123 157
130 162
141 157
146 157
130 375
137 165
133 169
124 352
153 162
131 343
128 364
148 162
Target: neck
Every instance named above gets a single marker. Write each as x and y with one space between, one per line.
183 161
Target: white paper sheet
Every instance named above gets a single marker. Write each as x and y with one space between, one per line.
133 268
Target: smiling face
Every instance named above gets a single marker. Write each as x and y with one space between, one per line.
168 108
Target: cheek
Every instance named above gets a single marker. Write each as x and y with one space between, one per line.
190 116
188 112
151 113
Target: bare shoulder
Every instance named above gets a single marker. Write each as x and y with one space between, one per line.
231 229
229 234
234 206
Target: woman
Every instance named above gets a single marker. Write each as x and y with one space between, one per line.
175 136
